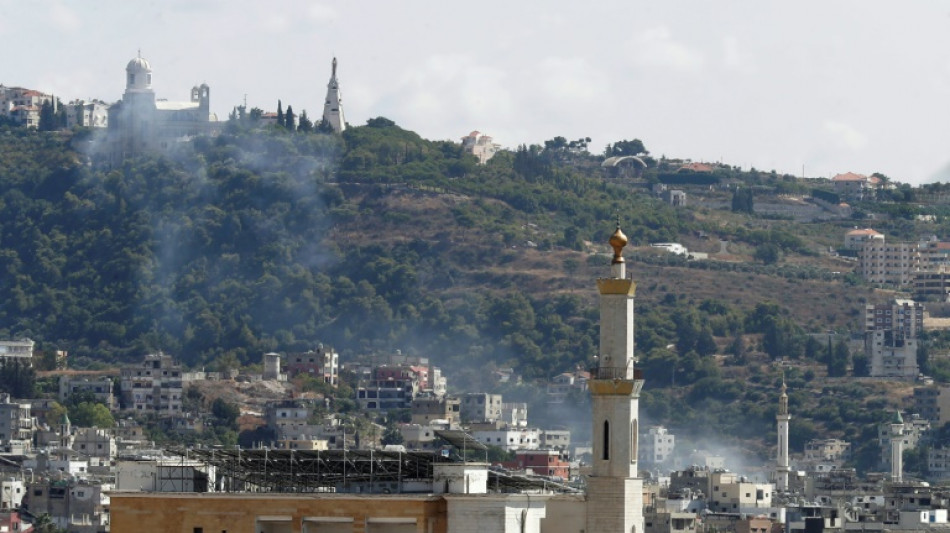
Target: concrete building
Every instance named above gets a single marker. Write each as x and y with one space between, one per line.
891 264
541 463
23 105
16 423
854 186
153 386
827 450
554 439
510 439
481 407
69 502
658 445
91 114
428 408
94 442
141 123
515 414
289 418
731 493
674 197
333 104
272 371
933 403
99 387
891 332
857 238
18 351
324 362
12 491
932 285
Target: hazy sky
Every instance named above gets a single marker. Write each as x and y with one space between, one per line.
831 86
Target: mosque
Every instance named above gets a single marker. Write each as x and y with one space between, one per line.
141 123
381 491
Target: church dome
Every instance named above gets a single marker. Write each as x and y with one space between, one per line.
138 75
138 64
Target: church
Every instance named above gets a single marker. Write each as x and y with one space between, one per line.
141 123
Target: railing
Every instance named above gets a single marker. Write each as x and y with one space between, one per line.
615 373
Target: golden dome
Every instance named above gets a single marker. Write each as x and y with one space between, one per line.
617 241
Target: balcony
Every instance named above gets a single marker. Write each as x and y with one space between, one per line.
615 373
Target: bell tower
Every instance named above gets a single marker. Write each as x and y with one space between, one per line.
614 492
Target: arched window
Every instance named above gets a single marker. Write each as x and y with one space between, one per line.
634 435
606 440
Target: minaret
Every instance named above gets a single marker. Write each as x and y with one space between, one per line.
781 457
614 492
897 448
333 107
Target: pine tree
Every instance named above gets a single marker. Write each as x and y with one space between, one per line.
280 114
289 119
304 124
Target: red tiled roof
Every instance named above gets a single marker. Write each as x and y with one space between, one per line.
865 231
850 176
697 167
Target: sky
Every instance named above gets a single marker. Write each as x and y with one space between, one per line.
812 87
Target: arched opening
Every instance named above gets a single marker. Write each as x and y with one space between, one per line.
606 440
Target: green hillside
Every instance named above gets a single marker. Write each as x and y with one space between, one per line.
268 240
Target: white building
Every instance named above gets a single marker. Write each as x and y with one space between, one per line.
481 146
141 123
731 493
18 351
510 439
11 493
91 114
658 445
481 407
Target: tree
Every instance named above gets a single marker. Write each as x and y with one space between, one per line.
742 201
305 124
838 361
91 414
391 435
622 148
47 117
226 412
769 253
289 119
280 114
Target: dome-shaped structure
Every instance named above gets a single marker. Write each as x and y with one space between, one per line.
138 74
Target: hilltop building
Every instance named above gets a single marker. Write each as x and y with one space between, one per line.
855 186
142 123
333 106
22 105
481 146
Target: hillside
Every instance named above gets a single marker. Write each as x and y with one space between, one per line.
266 240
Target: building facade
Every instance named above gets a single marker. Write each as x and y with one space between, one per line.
153 386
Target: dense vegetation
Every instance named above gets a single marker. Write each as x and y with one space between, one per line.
273 240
